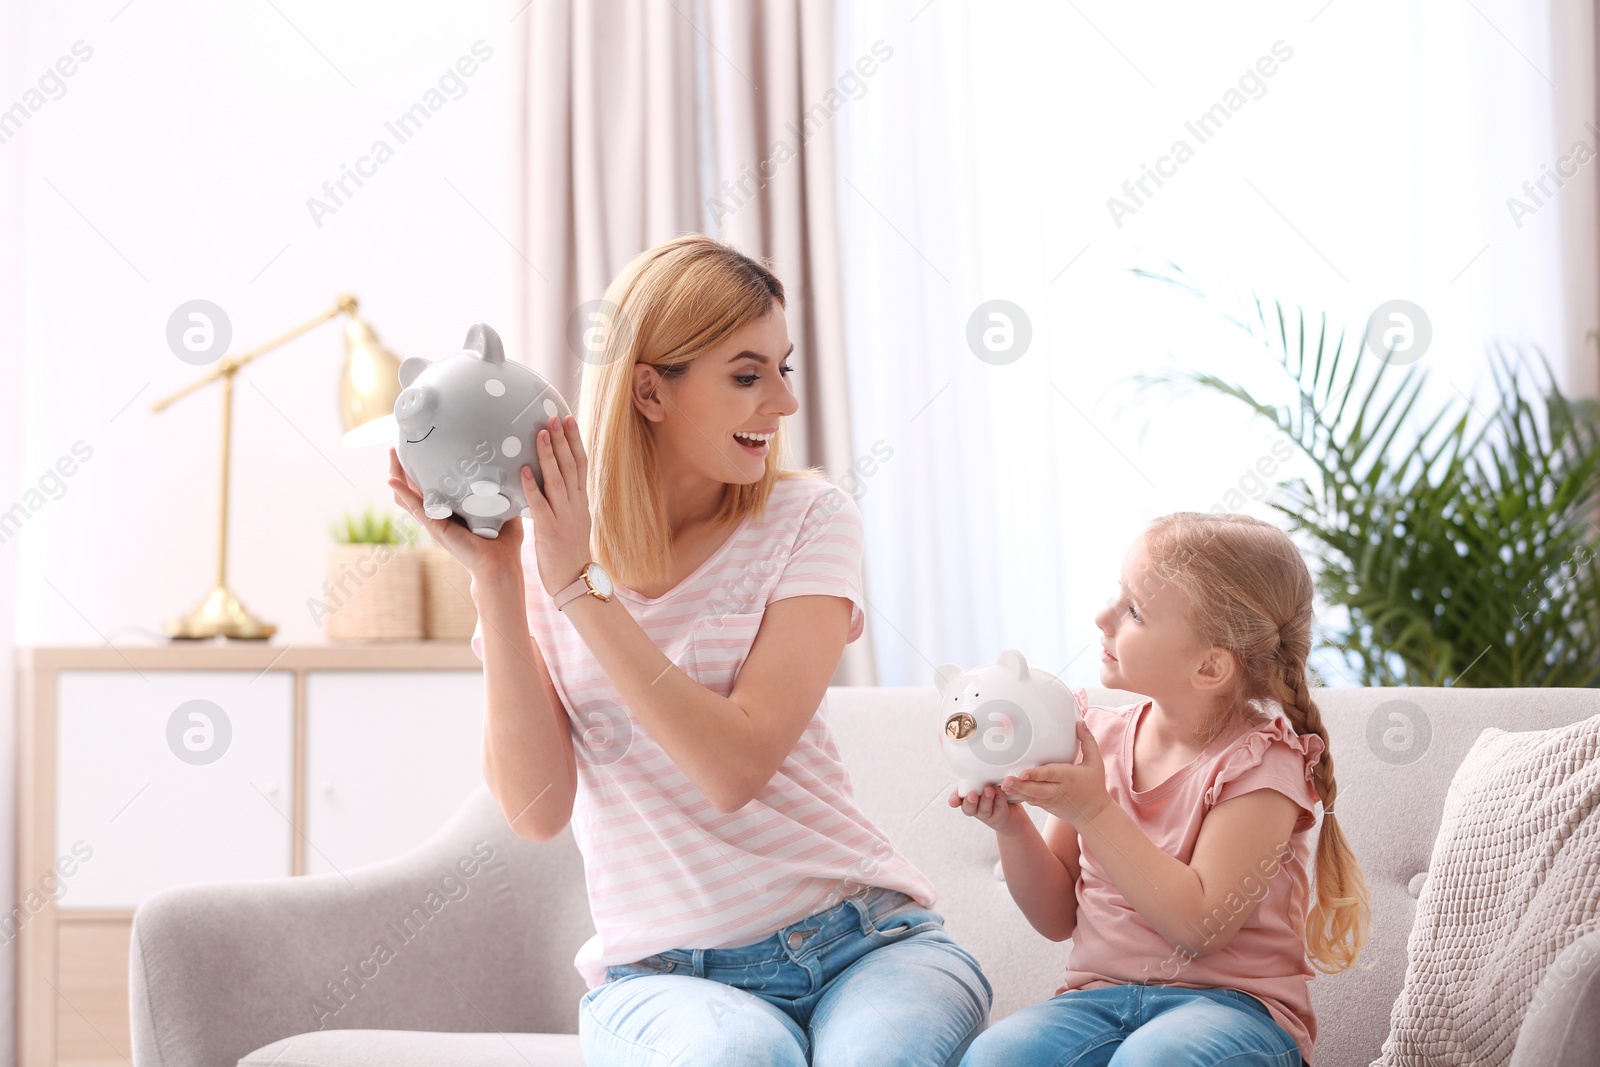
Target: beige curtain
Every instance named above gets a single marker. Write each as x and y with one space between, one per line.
639 120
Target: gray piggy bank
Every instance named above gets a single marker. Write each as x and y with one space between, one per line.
467 425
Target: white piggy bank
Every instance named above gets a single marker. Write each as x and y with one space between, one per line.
1003 718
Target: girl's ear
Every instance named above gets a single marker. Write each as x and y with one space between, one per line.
1216 670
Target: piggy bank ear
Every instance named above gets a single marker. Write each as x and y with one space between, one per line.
410 368
1013 662
482 339
944 674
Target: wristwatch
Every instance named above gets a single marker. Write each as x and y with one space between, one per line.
593 580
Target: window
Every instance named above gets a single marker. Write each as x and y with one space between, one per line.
1337 157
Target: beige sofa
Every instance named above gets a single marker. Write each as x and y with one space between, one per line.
243 972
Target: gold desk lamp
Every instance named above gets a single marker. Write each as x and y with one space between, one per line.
368 387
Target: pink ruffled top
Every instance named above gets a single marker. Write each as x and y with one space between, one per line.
1114 944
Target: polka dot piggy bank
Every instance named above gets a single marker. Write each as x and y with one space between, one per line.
467 425
1003 718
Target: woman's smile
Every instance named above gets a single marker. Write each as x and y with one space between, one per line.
756 443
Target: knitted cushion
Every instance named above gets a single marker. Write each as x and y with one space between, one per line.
1514 879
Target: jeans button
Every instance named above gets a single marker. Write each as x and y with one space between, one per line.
796 939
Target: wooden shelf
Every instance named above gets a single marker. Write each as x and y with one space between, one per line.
245 655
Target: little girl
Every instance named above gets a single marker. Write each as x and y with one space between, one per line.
1177 849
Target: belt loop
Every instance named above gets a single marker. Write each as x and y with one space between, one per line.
699 963
859 902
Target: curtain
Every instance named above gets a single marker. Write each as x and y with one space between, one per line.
991 160
639 120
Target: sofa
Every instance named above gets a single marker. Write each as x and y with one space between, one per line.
480 926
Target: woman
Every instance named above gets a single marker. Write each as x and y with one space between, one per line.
660 680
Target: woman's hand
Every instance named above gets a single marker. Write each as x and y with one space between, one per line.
480 555
1073 791
992 809
561 515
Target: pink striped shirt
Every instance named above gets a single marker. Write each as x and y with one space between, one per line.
664 868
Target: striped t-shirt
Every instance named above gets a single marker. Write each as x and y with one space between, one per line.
664 868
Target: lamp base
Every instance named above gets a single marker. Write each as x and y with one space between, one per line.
220 614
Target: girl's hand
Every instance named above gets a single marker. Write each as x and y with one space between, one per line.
1073 791
561 514
993 809
480 555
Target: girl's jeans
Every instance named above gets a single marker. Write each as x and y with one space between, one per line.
874 980
1138 1026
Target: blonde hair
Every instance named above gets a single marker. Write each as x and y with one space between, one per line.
668 307
1249 592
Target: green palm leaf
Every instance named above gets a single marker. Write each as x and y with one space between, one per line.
1460 543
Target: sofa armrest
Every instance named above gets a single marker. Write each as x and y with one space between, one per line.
1562 1026
453 936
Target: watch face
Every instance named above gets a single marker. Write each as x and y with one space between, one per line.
599 579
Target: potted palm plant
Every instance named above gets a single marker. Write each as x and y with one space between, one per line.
1456 544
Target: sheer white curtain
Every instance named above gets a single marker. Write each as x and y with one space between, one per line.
1338 156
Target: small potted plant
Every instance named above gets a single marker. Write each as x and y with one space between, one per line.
374 586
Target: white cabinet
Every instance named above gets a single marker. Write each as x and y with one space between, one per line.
165 778
143 768
388 760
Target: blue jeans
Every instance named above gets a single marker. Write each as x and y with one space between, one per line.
1138 1025
873 980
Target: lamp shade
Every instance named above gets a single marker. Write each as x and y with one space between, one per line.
368 387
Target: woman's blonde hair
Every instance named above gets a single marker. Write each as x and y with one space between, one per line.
1249 592
669 306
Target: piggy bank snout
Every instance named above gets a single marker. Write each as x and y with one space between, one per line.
415 403
960 726
1002 732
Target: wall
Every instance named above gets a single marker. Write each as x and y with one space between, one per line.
10 443
175 163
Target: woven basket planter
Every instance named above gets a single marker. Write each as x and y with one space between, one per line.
448 613
375 593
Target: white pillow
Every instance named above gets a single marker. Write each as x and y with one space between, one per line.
1514 879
